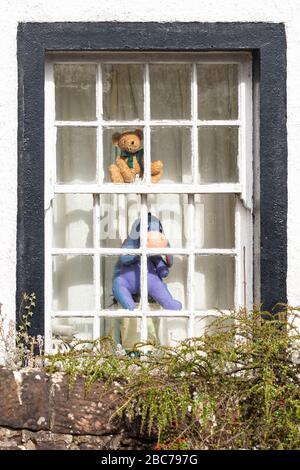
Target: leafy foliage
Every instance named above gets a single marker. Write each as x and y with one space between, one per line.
235 387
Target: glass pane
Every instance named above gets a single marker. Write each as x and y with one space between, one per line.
214 282
68 328
73 287
171 210
68 331
123 91
76 155
118 212
217 91
120 282
75 92
112 150
211 324
73 221
172 146
126 331
167 331
167 282
218 152
170 91
214 220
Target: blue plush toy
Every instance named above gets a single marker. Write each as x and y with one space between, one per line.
126 280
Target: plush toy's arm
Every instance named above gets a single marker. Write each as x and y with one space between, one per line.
160 265
130 259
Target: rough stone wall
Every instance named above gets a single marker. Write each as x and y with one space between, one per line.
40 411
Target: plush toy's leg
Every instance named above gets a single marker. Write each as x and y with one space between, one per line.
156 171
127 173
115 174
156 167
136 166
122 294
156 178
158 290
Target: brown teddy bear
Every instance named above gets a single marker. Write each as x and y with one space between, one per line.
131 161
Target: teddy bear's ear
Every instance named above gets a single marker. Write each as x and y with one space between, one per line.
115 139
139 133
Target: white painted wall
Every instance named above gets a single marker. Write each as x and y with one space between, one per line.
14 11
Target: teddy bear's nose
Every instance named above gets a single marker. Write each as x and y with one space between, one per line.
132 143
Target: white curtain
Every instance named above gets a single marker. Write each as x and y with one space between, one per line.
123 98
123 92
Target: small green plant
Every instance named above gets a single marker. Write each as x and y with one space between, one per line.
29 348
20 348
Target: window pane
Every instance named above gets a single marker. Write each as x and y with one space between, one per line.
172 145
217 91
214 220
167 331
211 324
68 328
170 291
67 331
171 210
73 221
76 155
118 212
123 91
110 151
75 92
125 331
170 91
218 152
214 282
120 282
73 287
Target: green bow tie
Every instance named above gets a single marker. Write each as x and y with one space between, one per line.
139 154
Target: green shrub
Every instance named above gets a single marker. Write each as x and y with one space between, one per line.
235 389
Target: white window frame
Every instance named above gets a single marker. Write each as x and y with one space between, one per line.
243 190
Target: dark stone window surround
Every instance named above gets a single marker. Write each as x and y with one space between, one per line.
266 41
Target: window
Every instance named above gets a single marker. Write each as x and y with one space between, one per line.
196 186
194 111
